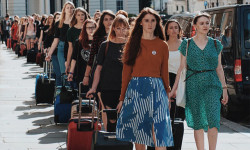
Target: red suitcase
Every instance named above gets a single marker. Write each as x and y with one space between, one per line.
81 129
80 138
8 43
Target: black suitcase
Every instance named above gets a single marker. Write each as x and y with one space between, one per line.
17 50
45 89
103 140
31 56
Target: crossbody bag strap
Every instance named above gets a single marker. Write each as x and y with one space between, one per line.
188 42
215 43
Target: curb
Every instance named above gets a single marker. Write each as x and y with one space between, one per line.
236 127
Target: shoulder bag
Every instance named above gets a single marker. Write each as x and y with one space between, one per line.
181 90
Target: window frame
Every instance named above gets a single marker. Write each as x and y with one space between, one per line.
246 14
119 5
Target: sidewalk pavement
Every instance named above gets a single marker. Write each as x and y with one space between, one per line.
25 126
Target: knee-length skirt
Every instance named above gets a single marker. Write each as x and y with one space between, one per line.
145 107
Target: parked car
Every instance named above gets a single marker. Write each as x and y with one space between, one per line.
230 25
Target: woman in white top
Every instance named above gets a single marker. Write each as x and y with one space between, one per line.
173 34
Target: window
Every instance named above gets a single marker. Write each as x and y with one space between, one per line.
247 29
182 8
75 3
226 29
176 7
119 5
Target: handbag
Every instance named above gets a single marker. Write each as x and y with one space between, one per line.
181 90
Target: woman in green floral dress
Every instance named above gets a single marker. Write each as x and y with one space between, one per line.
205 82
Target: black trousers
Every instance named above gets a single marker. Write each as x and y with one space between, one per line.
6 35
2 37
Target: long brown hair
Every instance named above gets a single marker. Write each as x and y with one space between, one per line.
133 46
119 20
62 17
51 30
73 20
100 31
83 37
166 28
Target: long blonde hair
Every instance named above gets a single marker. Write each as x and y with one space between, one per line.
73 19
62 18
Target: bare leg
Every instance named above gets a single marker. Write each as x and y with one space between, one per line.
28 44
104 115
140 146
154 139
199 139
212 135
31 43
111 120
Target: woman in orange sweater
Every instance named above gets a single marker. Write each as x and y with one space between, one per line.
144 108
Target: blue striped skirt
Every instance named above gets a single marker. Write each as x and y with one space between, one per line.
145 105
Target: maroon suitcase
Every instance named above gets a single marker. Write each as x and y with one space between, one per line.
38 58
81 128
23 49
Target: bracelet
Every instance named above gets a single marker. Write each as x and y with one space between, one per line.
71 73
224 87
86 76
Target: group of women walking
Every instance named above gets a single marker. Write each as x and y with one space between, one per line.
135 68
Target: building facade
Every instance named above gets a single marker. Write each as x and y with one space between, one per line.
28 7
131 6
180 6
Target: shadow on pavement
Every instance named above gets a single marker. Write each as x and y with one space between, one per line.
30 103
53 137
45 121
22 108
27 115
52 133
33 76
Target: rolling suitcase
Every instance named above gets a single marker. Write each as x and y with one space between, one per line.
62 105
45 89
62 111
23 50
80 129
103 140
17 50
31 56
86 108
38 58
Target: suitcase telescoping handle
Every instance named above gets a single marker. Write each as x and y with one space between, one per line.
45 70
80 107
